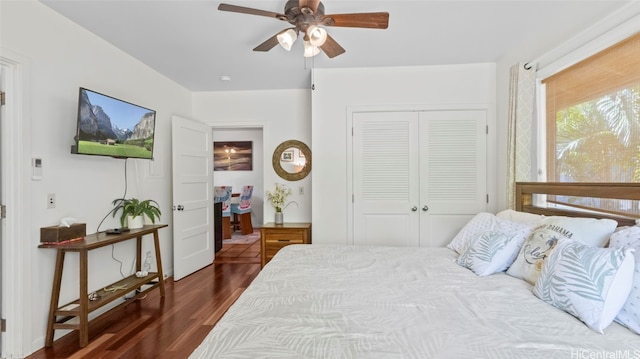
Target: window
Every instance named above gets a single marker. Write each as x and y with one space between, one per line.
593 121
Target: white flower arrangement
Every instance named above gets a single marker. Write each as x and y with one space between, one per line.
279 196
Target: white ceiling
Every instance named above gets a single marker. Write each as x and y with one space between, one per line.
194 44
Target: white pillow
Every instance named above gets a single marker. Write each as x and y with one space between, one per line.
520 217
481 223
589 283
492 252
543 239
629 315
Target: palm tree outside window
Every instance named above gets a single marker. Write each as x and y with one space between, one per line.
593 123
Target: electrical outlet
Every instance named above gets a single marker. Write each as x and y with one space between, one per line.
51 200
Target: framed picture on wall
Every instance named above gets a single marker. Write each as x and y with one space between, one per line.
287 156
233 156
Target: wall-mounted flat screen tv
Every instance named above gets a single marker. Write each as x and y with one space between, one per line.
111 127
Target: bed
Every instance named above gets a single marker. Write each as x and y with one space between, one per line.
332 301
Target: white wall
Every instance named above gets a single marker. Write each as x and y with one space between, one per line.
237 179
339 89
61 58
283 115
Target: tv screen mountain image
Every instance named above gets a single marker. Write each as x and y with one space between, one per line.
111 127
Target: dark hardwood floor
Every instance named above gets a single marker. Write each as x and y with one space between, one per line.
169 327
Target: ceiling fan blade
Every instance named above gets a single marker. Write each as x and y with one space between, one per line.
251 11
372 20
332 48
269 44
311 4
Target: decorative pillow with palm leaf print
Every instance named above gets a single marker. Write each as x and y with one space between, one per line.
492 251
629 315
481 223
589 283
542 241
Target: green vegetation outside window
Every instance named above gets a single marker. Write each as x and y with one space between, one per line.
593 122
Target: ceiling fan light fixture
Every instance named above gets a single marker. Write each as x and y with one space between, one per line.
317 35
287 38
310 50
308 17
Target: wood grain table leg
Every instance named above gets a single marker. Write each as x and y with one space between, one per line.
138 253
55 297
83 329
156 243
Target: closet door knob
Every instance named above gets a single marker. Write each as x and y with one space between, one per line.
425 208
414 208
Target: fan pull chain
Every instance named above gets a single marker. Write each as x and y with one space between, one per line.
313 73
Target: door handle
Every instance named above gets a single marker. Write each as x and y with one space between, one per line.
180 207
425 208
414 208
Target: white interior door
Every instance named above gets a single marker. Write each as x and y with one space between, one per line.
17 288
192 151
385 175
2 86
453 172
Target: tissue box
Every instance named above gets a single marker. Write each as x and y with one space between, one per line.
56 234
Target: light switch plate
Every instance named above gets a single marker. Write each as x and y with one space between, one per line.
36 168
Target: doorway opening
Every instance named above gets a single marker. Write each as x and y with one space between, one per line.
243 177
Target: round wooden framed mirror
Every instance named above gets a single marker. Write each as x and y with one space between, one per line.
292 160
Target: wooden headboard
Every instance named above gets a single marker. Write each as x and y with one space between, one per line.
526 190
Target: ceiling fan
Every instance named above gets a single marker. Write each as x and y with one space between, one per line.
308 17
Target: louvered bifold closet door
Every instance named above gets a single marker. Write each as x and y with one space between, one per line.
418 177
385 175
453 172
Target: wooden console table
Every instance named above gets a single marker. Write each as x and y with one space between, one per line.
81 307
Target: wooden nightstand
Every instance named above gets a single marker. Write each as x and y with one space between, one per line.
275 236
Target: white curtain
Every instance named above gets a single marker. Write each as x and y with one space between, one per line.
521 109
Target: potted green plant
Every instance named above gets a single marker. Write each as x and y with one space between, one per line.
134 211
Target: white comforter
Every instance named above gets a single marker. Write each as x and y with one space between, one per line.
314 301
